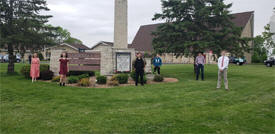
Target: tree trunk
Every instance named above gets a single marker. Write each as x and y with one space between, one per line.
195 66
11 59
22 53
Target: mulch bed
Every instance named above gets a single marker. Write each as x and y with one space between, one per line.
130 83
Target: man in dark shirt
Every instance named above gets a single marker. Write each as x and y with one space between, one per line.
30 59
139 66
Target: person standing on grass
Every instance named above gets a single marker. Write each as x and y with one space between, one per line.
30 59
35 67
139 67
223 63
200 61
63 68
157 62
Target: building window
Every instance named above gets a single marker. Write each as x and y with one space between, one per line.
81 50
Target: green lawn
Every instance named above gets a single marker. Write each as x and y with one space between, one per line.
188 106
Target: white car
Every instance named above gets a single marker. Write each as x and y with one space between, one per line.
6 58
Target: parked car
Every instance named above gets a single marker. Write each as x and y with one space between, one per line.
270 62
6 58
238 61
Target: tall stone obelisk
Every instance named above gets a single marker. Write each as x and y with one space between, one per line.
119 58
121 24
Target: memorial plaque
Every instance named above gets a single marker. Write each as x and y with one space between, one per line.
123 61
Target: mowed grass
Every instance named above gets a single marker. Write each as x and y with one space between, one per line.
189 106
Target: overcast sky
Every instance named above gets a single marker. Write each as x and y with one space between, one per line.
92 20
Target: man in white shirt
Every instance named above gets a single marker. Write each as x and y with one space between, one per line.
223 63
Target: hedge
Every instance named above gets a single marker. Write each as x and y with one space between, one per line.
73 79
122 78
158 78
46 75
101 80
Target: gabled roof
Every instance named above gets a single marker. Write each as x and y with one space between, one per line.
106 43
143 39
80 46
73 46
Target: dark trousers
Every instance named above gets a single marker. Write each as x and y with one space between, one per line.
139 73
200 70
157 69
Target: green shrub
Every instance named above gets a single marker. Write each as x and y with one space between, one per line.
56 79
113 83
158 78
122 78
44 67
85 82
133 76
97 73
101 80
76 73
73 79
83 76
46 75
25 71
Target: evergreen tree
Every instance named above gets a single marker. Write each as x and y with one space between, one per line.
194 26
23 27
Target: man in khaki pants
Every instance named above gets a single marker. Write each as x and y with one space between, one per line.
223 63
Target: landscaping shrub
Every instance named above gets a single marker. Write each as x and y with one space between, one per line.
101 79
56 79
113 78
73 79
90 73
85 82
113 83
25 71
133 76
46 75
83 76
158 78
122 78
44 67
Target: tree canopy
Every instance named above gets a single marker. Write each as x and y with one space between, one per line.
194 26
23 26
263 45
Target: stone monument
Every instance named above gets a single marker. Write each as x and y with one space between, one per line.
120 57
121 24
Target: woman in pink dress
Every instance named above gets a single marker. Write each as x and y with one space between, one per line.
35 67
63 68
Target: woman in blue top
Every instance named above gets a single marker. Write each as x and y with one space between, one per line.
157 62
